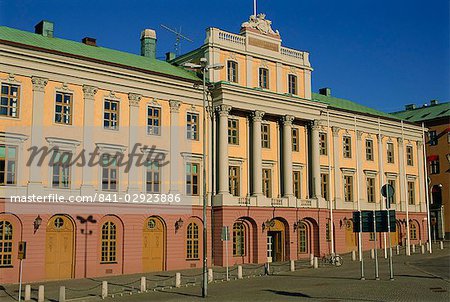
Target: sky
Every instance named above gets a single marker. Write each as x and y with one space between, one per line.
383 54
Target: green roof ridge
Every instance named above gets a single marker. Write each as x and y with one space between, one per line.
425 113
94 52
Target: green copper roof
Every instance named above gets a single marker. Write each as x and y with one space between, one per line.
344 104
81 51
427 113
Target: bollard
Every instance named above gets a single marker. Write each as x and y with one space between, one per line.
398 249
104 289
210 275
178 280
413 249
143 284
316 262
372 254
27 292
441 245
62 294
239 271
420 242
422 249
292 266
267 268
311 259
41 293
353 255
428 247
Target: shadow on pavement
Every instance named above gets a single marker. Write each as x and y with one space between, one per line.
285 293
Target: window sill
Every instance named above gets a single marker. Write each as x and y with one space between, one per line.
109 262
192 259
6 266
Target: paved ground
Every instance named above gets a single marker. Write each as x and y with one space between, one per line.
417 278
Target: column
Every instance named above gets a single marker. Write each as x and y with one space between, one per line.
210 156
287 155
249 62
87 186
279 74
336 164
223 111
37 129
175 138
422 197
257 153
360 174
402 175
315 158
133 139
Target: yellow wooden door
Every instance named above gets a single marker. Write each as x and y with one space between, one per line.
59 248
350 237
276 229
394 237
153 245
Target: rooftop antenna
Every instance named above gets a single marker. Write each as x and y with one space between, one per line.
178 35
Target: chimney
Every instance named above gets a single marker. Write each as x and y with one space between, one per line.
434 102
148 43
170 56
325 91
89 41
44 28
410 107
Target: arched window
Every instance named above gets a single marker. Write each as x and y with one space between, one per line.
238 239
413 231
109 242
302 238
192 241
232 71
6 243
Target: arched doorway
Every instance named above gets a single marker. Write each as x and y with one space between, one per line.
154 244
244 243
59 248
276 239
350 236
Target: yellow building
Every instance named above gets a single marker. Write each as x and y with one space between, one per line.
286 167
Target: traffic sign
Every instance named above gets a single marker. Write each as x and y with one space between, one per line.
381 220
366 221
22 250
225 236
388 192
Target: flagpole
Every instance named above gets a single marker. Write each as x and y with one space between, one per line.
254 8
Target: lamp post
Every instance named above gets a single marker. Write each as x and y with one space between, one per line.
204 67
85 232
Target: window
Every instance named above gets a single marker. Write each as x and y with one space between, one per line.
297 184
267 182
6 243
348 188
192 179
153 177
409 156
302 238
9 105
328 232
390 153
192 241
393 199
370 189
264 78
111 115
434 166
61 169
411 193
153 120
238 239
372 236
109 172
433 138
233 131
347 146
63 108
8 159
234 182
413 231
324 183
323 143
192 126
292 84
369 149
232 71
109 242
265 135
295 140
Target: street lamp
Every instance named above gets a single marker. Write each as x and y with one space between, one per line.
85 232
204 67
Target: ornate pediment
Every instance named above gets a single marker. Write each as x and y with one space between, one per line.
260 23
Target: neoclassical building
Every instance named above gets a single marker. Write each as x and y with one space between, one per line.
286 167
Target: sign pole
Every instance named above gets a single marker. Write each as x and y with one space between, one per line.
391 269
226 250
377 277
361 258
20 281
